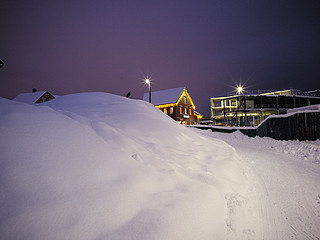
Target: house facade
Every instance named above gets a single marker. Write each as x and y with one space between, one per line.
176 103
251 109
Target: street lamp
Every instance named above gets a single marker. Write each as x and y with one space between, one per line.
147 81
239 91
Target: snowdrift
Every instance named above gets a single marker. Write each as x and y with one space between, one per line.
306 151
100 166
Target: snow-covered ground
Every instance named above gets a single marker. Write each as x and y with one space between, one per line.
285 176
100 166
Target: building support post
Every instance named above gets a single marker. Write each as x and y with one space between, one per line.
149 92
224 111
238 107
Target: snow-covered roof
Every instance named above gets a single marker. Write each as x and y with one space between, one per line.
305 109
29 97
164 96
263 95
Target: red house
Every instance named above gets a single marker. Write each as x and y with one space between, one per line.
176 103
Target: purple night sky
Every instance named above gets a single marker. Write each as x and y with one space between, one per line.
109 46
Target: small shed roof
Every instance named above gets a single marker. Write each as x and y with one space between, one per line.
30 98
164 96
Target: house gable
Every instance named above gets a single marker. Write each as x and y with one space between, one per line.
176 103
45 97
34 97
186 98
169 97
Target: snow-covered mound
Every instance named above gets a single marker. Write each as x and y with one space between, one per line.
302 150
100 166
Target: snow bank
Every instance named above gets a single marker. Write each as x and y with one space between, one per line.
303 150
100 166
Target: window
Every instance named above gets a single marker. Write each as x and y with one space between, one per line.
190 111
180 110
165 110
185 100
217 104
185 110
171 110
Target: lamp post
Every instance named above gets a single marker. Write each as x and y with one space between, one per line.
239 90
147 81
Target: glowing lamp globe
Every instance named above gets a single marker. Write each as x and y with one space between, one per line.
239 89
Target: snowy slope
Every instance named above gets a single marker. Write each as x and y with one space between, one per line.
100 166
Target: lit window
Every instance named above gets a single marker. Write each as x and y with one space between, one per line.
185 110
180 110
190 111
171 110
165 110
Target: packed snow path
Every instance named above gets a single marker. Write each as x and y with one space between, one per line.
287 203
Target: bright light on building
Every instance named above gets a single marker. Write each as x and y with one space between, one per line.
239 88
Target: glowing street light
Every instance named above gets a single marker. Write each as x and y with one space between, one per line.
147 81
239 89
